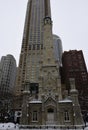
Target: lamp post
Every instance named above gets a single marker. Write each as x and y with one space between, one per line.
27 112
74 118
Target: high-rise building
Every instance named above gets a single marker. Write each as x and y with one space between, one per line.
74 67
7 78
38 92
32 44
8 74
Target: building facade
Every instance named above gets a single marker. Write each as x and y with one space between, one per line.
38 91
74 67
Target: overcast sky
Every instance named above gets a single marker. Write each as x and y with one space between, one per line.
70 22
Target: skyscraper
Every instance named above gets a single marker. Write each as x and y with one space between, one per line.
38 89
58 50
7 78
8 74
32 44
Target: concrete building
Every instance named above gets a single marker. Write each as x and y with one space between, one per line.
38 91
74 67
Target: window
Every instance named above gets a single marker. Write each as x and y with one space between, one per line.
38 46
41 46
66 116
35 116
29 47
34 47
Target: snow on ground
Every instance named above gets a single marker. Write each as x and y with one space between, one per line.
12 126
50 128
55 129
8 126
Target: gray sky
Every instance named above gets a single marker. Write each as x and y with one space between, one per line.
70 22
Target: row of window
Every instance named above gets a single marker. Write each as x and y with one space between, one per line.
36 47
35 116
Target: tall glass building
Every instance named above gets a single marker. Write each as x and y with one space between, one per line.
7 74
58 50
8 71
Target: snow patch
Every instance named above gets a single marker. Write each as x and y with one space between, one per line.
65 100
86 128
35 101
8 126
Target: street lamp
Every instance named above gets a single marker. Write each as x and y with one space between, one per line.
74 117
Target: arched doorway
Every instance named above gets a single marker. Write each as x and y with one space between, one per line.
50 116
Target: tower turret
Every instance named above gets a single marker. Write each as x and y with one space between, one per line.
77 116
48 52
